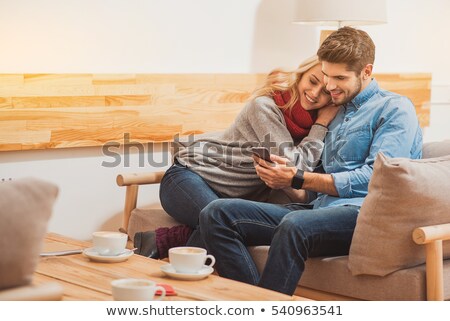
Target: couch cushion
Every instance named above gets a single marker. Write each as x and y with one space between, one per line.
436 149
25 208
148 219
332 275
403 194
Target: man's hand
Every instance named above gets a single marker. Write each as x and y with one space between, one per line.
276 175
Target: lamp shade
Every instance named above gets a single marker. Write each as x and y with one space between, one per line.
340 12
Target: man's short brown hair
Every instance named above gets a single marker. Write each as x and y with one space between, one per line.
348 46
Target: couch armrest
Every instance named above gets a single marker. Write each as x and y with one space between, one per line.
139 178
427 234
432 237
132 182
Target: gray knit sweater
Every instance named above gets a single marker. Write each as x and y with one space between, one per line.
224 159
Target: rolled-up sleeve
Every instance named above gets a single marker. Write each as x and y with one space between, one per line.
353 183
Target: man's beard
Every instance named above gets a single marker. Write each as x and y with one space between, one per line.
353 94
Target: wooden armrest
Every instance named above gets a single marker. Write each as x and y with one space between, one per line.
132 182
428 234
432 237
139 178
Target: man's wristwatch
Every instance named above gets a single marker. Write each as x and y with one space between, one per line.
298 179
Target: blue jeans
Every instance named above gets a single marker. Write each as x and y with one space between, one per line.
183 194
294 233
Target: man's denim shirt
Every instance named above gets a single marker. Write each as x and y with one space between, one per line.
374 121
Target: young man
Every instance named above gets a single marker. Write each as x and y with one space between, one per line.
370 120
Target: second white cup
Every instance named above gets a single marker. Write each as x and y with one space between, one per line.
136 290
187 259
109 243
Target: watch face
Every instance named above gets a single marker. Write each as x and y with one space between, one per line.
297 180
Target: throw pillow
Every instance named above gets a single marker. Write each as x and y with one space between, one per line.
403 194
25 208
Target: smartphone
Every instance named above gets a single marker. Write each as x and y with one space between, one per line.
262 152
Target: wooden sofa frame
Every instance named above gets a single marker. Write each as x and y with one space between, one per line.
429 236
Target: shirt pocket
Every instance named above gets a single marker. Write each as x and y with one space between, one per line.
354 146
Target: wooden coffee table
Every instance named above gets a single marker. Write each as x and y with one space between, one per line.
83 279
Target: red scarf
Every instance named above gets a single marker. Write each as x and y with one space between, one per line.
298 120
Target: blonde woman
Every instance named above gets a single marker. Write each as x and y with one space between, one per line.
283 115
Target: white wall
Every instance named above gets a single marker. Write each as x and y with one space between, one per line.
179 36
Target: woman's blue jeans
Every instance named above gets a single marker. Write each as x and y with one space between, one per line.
294 233
183 194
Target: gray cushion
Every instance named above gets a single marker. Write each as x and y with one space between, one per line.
331 275
436 149
148 219
403 194
25 208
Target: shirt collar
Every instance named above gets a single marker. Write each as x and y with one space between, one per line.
366 94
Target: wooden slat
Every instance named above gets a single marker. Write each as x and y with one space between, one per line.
24 137
75 110
58 79
6 102
129 90
11 79
195 80
46 90
16 146
128 100
13 125
114 79
58 101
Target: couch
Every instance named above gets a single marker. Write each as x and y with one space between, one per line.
397 250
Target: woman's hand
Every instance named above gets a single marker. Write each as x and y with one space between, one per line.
326 114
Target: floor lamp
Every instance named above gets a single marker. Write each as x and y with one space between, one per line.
339 13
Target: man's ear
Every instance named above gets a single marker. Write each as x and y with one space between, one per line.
367 71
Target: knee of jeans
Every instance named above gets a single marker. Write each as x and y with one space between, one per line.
215 213
209 212
292 224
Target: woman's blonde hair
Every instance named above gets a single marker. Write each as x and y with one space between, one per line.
279 80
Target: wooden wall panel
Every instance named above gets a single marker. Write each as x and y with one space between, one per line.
40 111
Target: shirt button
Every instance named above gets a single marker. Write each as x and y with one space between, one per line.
346 119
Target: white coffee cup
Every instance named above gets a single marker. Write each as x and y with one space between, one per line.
109 243
136 290
185 259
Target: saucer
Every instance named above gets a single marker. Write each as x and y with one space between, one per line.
169 270
94 256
